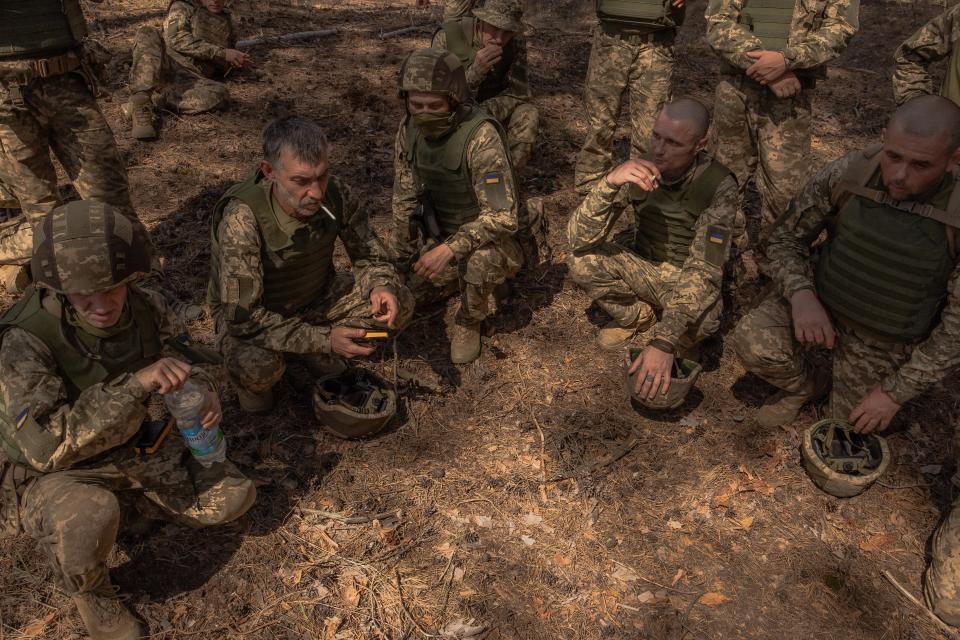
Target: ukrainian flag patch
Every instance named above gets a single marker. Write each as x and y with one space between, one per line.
22 418
495 188
492 178
718 237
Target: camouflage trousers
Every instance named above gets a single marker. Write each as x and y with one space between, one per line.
757 134
75 515
257 369
521 121
765 343
617 66
59 114
171 85
474 279
456 8
628 287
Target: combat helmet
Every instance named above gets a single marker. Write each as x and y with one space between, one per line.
685 374
356 403
83 247
841 462
502 14
434 71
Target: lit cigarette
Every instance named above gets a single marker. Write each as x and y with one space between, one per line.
328 212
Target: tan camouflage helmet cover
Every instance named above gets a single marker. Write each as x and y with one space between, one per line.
83 247
434 71
502 14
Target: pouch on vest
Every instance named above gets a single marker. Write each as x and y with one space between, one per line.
644 14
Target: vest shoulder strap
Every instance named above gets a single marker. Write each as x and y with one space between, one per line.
144 316
704 186
859 172
459 35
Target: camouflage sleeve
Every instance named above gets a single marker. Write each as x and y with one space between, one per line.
52 433
932 42
368 256
489 166
241 290
726 36
402 246
178 35
935 356
473 79
827 40
788 248
700 282
456 8
593 219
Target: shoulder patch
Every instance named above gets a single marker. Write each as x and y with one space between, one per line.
495 189
21 418
718 242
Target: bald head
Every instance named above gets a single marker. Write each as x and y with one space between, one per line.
932 118
679 134
691 112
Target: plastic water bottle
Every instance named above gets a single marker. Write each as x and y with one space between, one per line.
206 445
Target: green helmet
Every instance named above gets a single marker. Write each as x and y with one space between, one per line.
841 462
502 14
685 374
354 404
84 247
434 71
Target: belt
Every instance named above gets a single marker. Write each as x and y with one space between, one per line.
627 33
24 70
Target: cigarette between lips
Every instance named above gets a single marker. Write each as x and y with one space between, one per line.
327 211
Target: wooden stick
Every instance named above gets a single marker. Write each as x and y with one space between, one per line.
947 629
399 32
288 37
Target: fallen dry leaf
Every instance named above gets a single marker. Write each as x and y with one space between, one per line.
531 519
462 629
330 627
562 561
483 521
527 540
878 542
624 574
646 597
722 499
677 578
674 524
36 627
745 523
713 598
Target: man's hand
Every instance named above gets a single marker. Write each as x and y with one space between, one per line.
164 375
642 173
655 370
384 306
237 59
811 323
874 412
210 413
486 59
786 86
433 262
342 342
769 66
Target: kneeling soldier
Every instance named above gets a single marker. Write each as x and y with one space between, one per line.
273 288
80 355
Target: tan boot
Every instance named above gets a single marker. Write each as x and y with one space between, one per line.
13 278
141 117
106 618
614 337
465 342
255 403
782 408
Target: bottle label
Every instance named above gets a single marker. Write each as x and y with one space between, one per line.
202 442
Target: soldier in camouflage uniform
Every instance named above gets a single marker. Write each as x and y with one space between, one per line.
176 71
47 104
80 356
273 289
772 53
632 51
684 204
454 9
934 41
454 196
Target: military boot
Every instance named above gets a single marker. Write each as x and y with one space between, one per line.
614 337
782 408
465 341
105 616
141 117
255 403
13 278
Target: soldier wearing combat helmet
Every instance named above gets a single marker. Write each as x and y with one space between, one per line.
80 355
454 196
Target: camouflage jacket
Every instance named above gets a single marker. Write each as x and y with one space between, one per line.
456 8
932 42
486 154
517 84
103 417
819 33
699 283
188 49
240 261
789 252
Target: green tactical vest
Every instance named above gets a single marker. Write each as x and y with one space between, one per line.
770 21
951 81
667 218
640 13
297 269
34 28
460 43
440 169
885 270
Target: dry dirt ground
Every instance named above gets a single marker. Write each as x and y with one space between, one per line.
522 497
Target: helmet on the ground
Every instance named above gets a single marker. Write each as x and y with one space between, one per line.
434 71
83 247
354 404
685 374
841 462
502 14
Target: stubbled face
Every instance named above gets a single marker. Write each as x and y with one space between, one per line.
298 186
427 102
674 144
102 309
913 166
490 34
214 6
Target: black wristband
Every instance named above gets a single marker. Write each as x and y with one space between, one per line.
662 345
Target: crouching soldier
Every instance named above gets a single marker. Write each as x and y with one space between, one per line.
273 289
80 355
181 69
454 196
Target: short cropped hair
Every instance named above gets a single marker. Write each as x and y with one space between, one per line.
304 138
